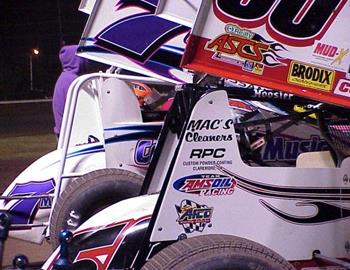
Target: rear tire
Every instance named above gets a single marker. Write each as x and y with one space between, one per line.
216 252
89 194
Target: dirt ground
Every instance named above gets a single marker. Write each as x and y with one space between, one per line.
25 135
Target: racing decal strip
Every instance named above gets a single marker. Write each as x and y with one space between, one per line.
310 196
309 193
326 212
149 5
131 137
107 252
155 128
144 132
139 44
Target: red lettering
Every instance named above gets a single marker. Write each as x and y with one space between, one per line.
245 48
344 87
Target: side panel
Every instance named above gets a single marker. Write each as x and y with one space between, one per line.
295 46
212 191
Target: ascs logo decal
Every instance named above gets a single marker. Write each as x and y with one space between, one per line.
343 88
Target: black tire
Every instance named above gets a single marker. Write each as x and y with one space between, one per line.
88 194
216 252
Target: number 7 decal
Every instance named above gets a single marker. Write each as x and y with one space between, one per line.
22 212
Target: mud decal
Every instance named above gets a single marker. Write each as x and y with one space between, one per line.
193 216
24 210
206 185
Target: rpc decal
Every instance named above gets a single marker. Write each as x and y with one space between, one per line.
206 185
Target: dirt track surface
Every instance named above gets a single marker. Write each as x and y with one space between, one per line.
25 135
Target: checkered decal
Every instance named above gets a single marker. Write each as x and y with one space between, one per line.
193 216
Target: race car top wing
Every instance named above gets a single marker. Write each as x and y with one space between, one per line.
300 47
128 34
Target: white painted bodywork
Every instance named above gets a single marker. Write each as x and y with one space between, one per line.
244 213
96 103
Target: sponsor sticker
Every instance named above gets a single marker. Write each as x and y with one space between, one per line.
311 76
193 216
206 185
330 55
244 48
343 88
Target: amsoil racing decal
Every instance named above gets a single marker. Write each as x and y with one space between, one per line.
206 184
311 76
193 216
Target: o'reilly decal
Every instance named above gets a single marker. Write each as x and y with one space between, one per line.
311 76
206 184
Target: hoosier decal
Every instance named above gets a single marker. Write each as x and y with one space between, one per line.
193 216
206 184
311 76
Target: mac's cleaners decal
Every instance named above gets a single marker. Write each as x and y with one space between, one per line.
206 184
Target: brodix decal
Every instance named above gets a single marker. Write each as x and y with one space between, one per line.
311 76
206 184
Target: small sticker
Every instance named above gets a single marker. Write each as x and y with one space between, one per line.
206 185
342 88
311 76
193 216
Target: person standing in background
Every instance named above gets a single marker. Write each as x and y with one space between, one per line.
72 67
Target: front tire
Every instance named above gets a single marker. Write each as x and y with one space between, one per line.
216 252
88 194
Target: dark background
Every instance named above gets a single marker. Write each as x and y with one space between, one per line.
29 24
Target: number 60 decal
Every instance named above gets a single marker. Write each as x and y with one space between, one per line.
293 22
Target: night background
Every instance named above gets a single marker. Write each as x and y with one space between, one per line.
44 25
